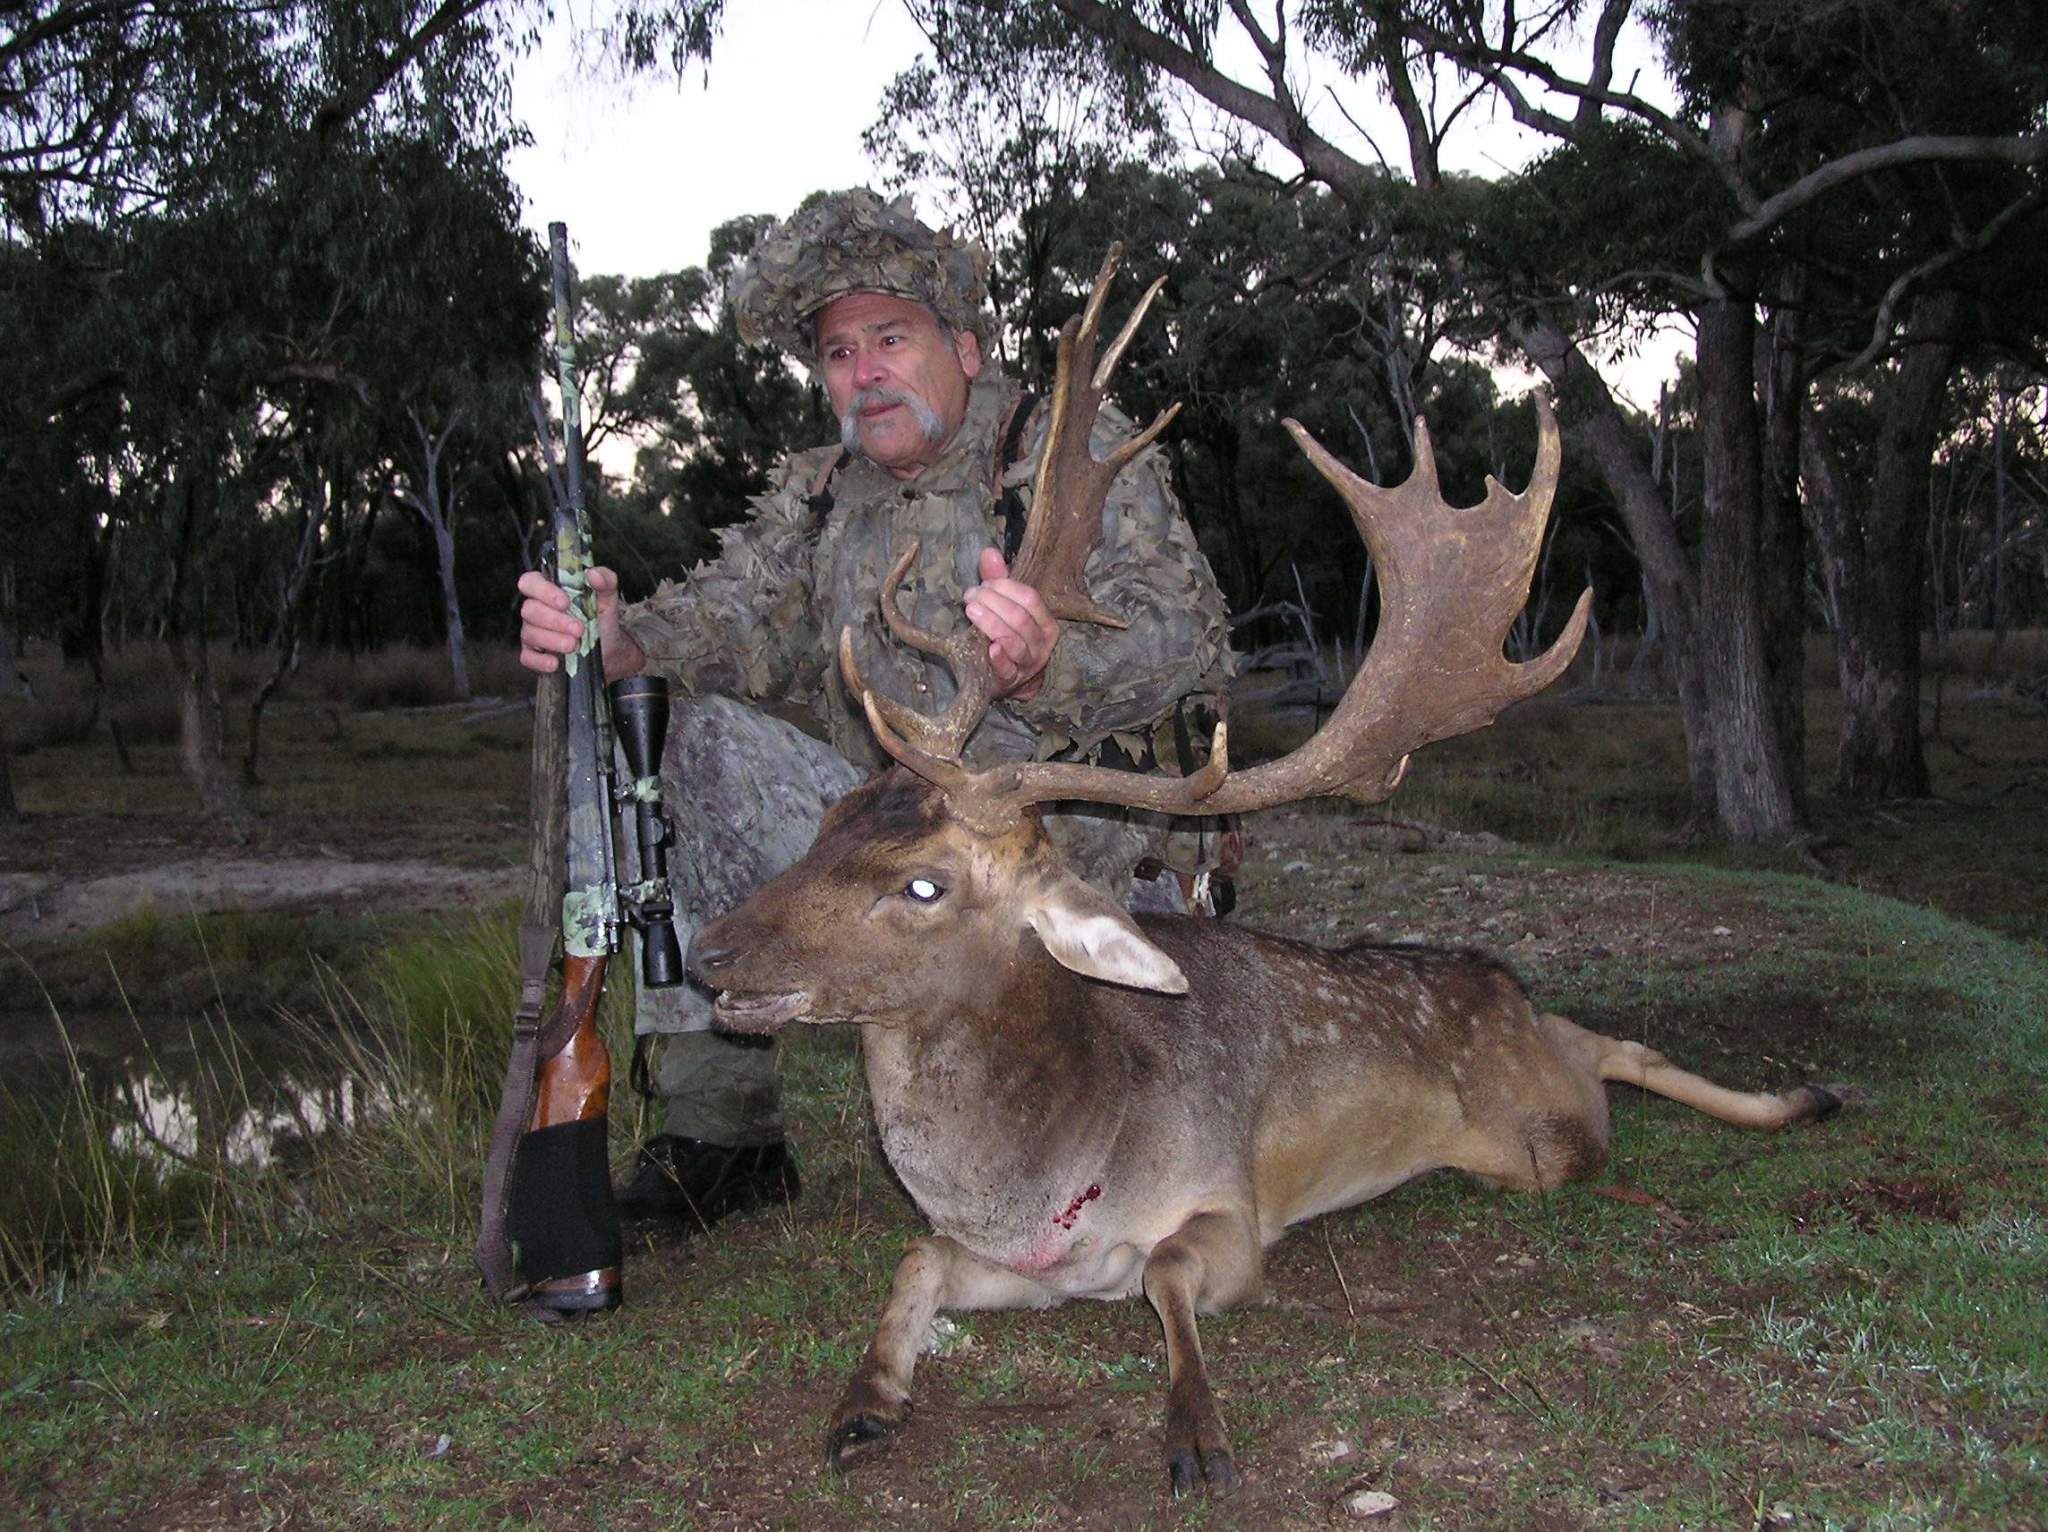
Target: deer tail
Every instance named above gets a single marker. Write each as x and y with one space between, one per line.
1633 1064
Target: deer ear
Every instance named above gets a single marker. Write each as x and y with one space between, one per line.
1086 932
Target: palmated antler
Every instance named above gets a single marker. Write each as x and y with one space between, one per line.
1451 585
1065 526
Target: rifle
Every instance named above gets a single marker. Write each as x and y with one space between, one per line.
550 1233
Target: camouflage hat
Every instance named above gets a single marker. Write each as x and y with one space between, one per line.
854 242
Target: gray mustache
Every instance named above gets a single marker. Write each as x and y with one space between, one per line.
849 420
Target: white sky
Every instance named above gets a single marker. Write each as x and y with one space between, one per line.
643 170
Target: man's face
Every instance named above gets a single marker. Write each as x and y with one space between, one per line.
897 382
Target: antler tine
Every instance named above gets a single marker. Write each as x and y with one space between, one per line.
945 774
1099 379
1098 294
1451 585
965 652
1067 495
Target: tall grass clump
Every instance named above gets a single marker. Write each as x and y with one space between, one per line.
92 1187
74 1204
431 1029
442 1000
427 1028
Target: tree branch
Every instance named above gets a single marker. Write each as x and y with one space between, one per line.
2025 149
1907 281
1318 156
367 86
1476 54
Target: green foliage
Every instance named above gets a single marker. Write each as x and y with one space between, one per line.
709 414
1609 218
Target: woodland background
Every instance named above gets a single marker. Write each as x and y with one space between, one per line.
275 328
270 462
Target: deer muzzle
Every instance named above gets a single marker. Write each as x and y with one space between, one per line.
713 965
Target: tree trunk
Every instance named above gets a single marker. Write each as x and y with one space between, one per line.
433 500
1875 566
451 604
1752 771
201 753
10 811
291 601
1668 583
1781 531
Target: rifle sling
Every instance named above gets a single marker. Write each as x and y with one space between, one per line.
539 933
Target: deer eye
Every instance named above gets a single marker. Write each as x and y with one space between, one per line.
924 891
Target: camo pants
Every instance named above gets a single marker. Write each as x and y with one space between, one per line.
745 793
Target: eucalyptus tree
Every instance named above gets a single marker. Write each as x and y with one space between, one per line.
1863 167
1742 183
210 196
707 415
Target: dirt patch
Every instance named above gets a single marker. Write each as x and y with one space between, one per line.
35 906
1337 878
1869 1202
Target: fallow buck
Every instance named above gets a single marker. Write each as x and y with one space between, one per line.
1090 1105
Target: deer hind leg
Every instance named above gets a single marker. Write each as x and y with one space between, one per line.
1209 1263
1547 1122
1612 1059
935 1273
1536 1116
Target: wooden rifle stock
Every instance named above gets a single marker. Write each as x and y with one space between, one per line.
574 1083
571 1095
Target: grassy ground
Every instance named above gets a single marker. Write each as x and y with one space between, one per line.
1836 1328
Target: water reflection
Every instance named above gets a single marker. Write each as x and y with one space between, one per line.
169 1121
202 1094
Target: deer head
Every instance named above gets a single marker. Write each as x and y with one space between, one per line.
937 856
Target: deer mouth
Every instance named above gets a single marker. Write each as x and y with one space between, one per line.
759 1012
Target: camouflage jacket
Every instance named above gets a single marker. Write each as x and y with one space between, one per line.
760 621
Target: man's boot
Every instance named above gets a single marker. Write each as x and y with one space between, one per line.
700 1183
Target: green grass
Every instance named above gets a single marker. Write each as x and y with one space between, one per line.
1801 1352
1839 1325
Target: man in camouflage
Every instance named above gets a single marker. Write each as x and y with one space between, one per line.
936 445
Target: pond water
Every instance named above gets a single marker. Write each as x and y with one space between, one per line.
198 1092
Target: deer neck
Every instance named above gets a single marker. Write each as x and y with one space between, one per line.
988 1110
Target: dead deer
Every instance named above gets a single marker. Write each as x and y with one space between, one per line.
1090 1105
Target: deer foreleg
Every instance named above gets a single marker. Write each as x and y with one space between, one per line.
934 1274
1208 1263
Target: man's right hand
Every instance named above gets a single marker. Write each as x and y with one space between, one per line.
547 630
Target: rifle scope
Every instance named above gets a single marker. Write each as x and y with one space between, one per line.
640 718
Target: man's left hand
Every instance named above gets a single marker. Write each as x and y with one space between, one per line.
1021 632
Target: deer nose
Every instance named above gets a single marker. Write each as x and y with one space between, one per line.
709 959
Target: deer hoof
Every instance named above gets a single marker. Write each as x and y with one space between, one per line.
1194 1471
857 1436
1824 1101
